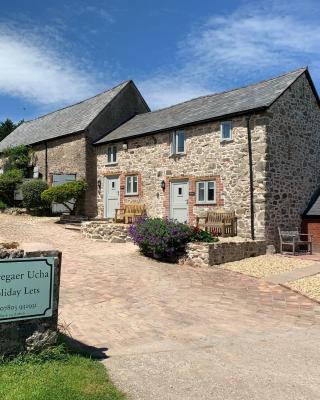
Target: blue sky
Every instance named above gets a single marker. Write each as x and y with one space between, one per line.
55 53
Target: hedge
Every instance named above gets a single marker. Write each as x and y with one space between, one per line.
31 192
8 182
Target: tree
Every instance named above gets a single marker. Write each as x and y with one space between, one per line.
18 157
6 127
68 194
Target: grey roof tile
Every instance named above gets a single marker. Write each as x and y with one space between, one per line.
65 121
252 97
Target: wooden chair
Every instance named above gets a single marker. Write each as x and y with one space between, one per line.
221 222
129 213
293 240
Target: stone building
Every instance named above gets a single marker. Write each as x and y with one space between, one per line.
253 150
62 140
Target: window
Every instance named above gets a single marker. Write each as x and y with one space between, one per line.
226 130
132 185
178 143
112 155
206 192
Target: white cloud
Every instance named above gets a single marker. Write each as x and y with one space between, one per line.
251 41
227 51
29 68
161 91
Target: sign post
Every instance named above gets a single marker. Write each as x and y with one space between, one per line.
29 300
26 288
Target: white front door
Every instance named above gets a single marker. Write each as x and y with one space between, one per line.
112 200
179 201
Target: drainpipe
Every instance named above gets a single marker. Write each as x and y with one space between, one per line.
46 160
250 178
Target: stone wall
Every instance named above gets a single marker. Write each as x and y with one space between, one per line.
293 161
207 157
67 155
105 231
33 334
209 254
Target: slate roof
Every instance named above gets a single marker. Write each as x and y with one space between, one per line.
71 119
313 208
238 101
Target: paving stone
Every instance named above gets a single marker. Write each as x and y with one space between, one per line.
148 313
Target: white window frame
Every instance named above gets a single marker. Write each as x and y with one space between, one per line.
113 160
131 178
223 123
206 191
175 143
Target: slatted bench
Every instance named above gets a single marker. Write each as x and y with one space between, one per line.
130 212
221 222
294 240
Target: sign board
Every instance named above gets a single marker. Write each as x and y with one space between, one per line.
26 288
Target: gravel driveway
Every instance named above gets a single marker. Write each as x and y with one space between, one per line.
174 332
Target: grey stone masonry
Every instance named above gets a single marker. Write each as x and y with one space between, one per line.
207 157
33 334
209 254
292 170
106 231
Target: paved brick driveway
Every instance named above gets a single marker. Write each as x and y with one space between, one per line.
178 332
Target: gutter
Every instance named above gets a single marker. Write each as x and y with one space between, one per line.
251 187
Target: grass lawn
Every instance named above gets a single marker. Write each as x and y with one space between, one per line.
60 376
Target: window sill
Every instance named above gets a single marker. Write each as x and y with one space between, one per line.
131 194
225 141
111 164
178 155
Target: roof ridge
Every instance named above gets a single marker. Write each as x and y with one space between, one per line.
303 69
79 102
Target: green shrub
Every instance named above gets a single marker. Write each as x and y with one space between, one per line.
199 235
8 182
18 157
3 206
31 192
66 193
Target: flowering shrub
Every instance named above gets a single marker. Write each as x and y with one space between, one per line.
199 235
163 238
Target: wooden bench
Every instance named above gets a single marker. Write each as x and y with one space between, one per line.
129 213
222 223
293 240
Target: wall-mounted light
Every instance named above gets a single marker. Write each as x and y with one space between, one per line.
99 184
124 146
163 185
